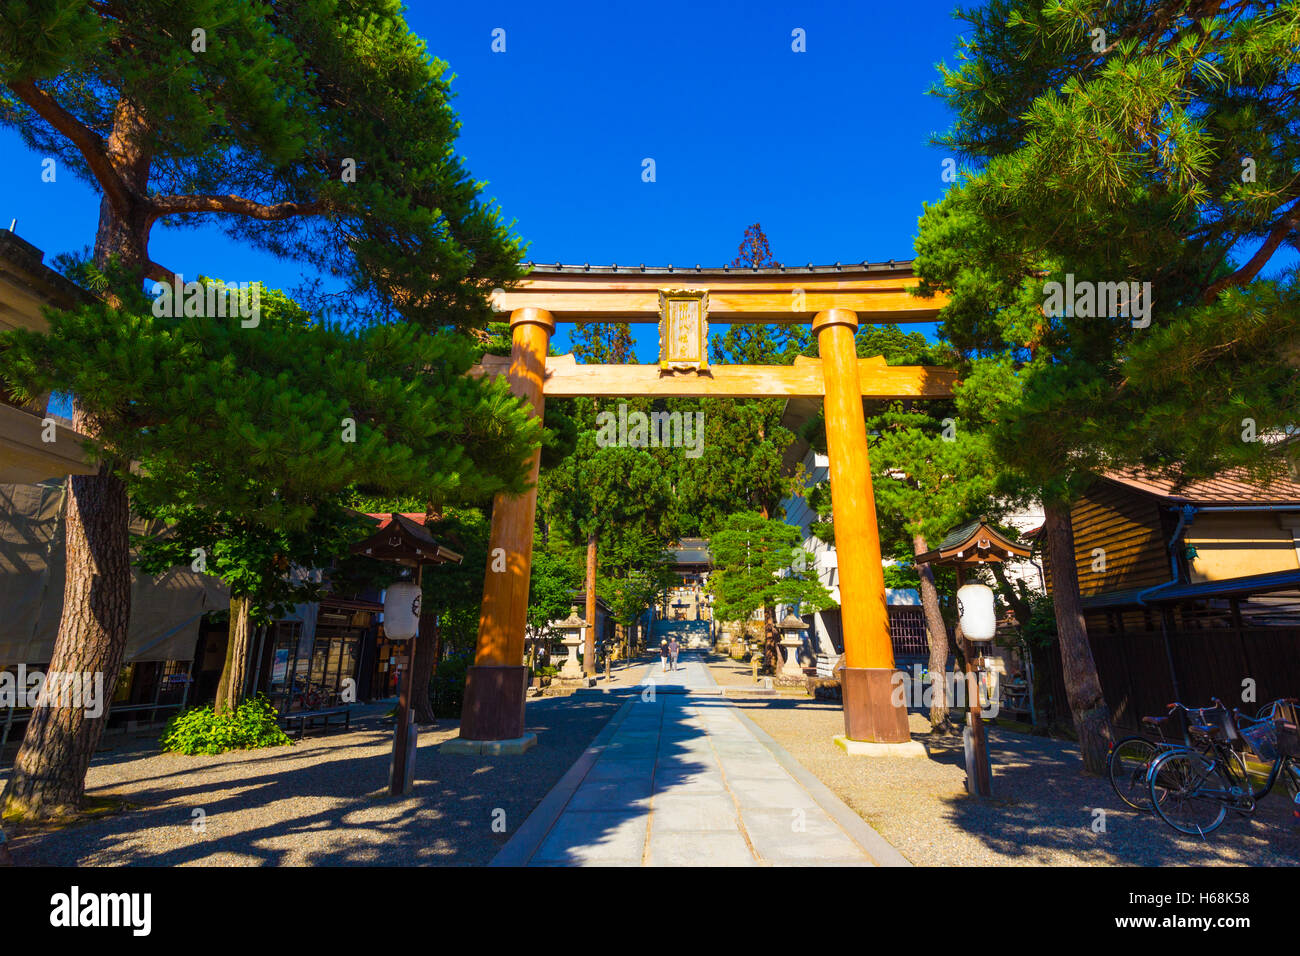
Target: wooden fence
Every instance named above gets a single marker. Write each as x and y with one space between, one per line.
1137 670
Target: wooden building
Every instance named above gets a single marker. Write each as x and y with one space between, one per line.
34 445
1189 592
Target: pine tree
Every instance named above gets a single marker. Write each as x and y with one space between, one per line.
758 563
317 131
746 344
1141 143
245 436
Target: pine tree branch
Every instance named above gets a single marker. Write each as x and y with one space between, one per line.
239 205
1281 229
158 273
88 142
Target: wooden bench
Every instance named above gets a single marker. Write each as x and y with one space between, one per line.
305 718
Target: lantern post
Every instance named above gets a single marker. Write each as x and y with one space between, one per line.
402 540
402 604
977 751
973 544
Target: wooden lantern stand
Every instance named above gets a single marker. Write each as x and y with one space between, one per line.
402 540
972 545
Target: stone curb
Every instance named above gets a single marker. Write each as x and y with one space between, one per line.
526 841
877 847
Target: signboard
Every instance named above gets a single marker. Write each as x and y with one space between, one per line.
280 666
683 329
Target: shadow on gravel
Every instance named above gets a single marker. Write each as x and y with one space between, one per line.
321 802
1043 801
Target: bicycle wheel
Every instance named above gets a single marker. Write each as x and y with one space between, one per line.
1127 766
1189 792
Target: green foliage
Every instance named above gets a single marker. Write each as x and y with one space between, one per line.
740 468
634 571
268 420
606 491
1040 629
758 563
447 686
1153 157
902 576
280 102
253 559
556 574
603 343
202 731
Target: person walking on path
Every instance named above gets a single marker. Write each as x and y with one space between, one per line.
663 656
673 649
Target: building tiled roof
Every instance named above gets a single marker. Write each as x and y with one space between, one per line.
691 551
970 537
683 556
957 535
1233 487
413 526
386 517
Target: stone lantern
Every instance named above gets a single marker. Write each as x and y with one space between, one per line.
792 640
571 630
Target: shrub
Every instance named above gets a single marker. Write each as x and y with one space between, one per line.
447 686
203 731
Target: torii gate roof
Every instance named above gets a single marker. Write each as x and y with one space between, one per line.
876 291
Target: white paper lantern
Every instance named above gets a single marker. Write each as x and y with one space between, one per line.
976 611
402 611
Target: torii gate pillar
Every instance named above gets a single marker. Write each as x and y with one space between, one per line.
496 683
871 714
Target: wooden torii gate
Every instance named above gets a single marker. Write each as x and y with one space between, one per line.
683 301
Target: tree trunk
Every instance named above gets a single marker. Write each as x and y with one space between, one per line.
589 645
49 773
1082 685
234 672
937 632
422 664
1014 597
771 645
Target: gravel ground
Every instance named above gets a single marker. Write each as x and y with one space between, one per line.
1042 812
320 802
736 674
729 673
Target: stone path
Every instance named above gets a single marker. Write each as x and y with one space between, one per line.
679 778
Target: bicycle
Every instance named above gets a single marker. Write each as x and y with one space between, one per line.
1129 759
1193 790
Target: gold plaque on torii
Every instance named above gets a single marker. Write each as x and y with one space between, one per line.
683 329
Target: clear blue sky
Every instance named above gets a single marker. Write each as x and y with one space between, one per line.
828 149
